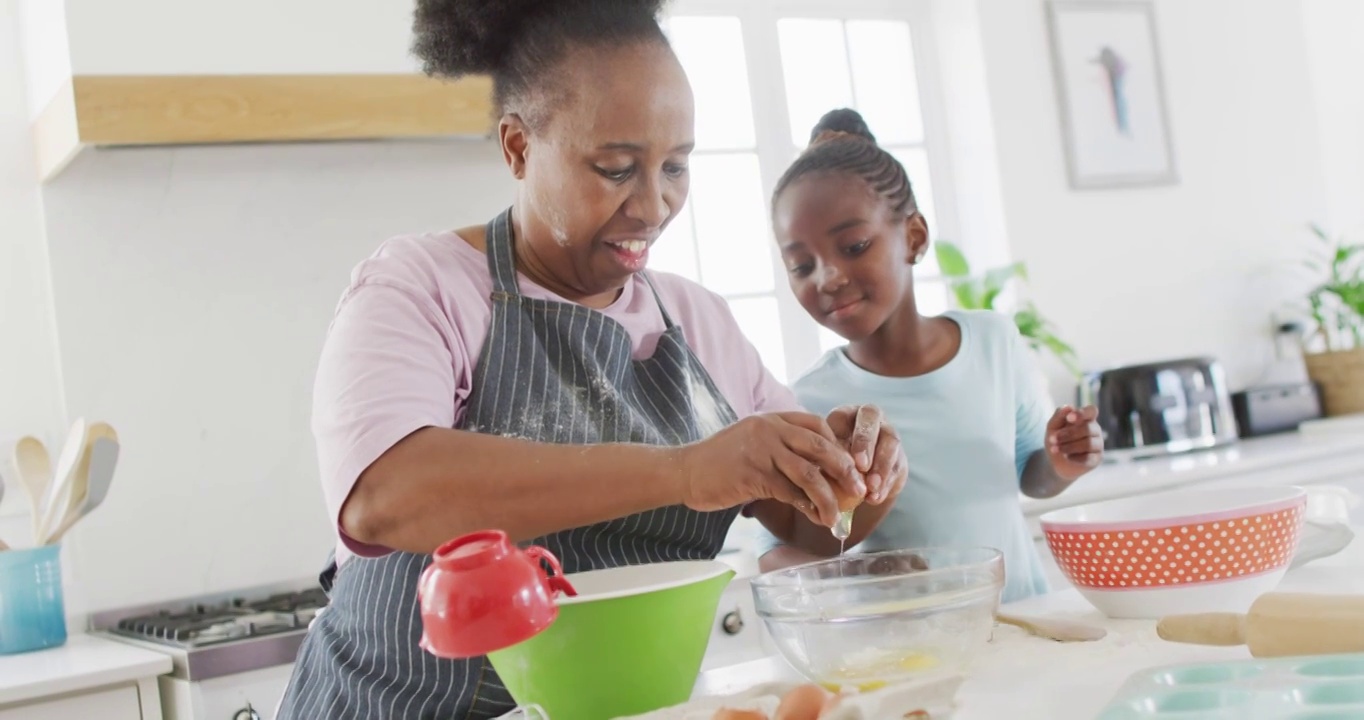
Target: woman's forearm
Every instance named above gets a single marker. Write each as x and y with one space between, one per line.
439 483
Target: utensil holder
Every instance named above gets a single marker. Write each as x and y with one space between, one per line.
32 609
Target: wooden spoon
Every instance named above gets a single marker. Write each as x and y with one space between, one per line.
35 472
1054 628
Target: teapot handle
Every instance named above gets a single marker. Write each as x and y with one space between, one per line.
557 583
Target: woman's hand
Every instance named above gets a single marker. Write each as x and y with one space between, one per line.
790 457
875 447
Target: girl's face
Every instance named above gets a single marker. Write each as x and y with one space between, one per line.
608 170
848 257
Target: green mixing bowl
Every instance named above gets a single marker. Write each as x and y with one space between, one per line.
631 642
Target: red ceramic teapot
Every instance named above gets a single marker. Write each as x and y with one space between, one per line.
481 593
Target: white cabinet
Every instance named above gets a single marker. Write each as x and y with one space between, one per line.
88 677
737 635
120 703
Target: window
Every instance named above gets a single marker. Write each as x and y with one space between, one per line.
763 72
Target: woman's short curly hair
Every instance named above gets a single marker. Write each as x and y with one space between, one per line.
520 43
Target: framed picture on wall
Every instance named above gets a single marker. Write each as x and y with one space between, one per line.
1111 93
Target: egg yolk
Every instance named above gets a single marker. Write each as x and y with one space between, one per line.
847 677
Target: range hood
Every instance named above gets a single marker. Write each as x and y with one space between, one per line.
167 72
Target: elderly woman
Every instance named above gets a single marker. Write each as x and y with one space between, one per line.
531 376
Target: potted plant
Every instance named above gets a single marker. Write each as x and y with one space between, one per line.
974 292
1333 342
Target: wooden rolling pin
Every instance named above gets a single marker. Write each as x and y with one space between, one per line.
1278 624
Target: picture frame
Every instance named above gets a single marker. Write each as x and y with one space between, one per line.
1111 93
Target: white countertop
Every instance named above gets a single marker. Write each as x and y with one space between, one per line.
83 663
1020 676
1120 479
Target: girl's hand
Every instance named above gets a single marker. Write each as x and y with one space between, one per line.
875 447
791 457
1075 443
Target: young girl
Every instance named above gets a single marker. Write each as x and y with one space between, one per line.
958 387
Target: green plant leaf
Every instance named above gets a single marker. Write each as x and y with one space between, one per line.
987 300
951 260
1058 346
1029 323
997 278
968 297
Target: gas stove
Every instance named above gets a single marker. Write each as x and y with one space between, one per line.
201 625
230 651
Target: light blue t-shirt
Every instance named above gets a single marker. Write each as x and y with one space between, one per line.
968 429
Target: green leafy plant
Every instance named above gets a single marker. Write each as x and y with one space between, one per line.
1336 305
980 292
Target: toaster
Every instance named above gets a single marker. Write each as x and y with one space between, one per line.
1160 408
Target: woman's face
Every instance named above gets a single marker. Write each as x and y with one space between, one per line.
606 171
848 257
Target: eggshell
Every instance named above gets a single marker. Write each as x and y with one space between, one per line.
846 500
805 702
730 714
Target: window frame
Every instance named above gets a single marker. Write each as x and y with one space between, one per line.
758 21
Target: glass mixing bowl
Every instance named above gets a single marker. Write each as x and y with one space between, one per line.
871 620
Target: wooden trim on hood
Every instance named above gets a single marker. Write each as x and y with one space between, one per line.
120 110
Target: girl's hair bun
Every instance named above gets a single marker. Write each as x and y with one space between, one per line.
843 121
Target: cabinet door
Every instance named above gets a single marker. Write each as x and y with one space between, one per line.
738 635
113 704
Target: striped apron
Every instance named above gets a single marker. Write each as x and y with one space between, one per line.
550 372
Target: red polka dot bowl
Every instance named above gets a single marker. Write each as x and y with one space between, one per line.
1188 551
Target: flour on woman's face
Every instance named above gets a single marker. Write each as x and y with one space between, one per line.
557 221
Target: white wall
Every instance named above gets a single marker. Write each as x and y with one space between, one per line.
248 36
193 288
30 382
46 53
1336 59
1147 273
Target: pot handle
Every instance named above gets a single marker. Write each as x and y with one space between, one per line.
557 582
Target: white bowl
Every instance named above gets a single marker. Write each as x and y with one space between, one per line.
1187 551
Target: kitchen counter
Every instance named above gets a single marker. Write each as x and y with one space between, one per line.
1246 457
83 663
1020 676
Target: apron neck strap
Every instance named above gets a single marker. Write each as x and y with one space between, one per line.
501 254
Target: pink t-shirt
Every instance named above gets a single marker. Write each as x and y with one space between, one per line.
401 350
